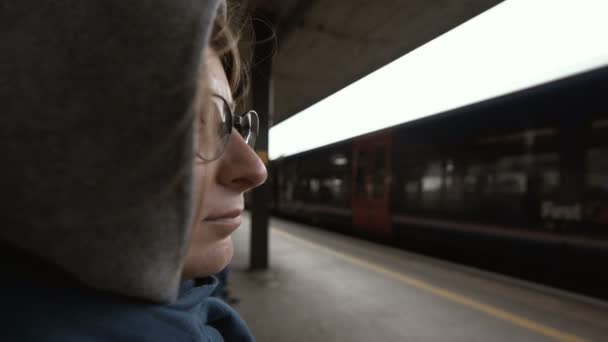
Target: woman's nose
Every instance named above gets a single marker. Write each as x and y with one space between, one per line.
240 167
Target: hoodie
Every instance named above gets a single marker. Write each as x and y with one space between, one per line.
97 137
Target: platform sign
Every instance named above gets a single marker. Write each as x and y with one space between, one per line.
371 186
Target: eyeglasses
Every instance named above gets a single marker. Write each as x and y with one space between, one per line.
215 128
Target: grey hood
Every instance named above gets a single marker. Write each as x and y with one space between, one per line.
96 136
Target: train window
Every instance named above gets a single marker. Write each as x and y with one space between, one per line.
411 190
360 173
431 186
511 175
379 173
599 132
432 179
547 165
303 191
407 180
333 191
510 182
339 160
334 184
291 180
449 171
454 185
359 182
472 178
289 191
315 185
597 170
366 174
550 181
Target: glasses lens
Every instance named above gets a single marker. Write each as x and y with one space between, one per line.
248 127
213 130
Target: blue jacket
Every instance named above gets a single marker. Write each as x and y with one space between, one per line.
41 303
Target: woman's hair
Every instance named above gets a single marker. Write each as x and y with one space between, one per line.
225 42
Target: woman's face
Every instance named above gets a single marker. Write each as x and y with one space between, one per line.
220 185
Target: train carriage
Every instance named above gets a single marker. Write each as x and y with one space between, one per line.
517 184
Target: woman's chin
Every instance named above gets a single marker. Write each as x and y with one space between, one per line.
214 259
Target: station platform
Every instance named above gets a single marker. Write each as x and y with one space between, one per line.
323 286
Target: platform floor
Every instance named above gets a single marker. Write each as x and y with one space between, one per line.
323 286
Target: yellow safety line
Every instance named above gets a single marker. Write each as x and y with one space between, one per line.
449 295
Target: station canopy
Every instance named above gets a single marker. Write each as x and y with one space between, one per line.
324 45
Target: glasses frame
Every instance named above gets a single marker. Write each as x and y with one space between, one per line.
249 119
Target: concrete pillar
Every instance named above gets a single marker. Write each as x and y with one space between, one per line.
261 88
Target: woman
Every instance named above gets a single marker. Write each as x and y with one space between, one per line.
106 209
226 165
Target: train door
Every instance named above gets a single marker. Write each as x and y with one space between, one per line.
371 175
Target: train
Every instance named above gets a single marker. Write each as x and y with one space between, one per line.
516 184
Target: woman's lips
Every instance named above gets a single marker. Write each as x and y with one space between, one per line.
228 221
226 215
